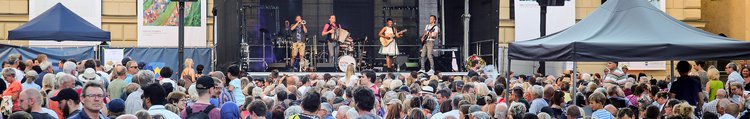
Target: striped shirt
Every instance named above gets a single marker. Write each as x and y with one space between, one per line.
602 114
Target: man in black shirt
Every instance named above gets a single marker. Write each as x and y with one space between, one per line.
686 87
298 35
31 102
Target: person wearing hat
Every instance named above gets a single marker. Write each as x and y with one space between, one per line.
154 99
89 75
205 86
31 102
116 108
30 79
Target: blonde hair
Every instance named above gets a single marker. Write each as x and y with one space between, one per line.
188 63
349 72
683 110
48 81
713 73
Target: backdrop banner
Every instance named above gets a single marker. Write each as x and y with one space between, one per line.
54 55
157 58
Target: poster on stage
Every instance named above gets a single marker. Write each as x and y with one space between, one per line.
652 65
158 23
89 10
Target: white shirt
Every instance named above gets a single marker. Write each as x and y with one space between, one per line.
33 85
436 31
453 113
133 102
19 74
168 80
104 75
537 105
727 116
734 77
160 110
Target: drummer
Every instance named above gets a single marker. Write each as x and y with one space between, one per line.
329 29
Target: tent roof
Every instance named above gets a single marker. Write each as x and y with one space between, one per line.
59 24
629 30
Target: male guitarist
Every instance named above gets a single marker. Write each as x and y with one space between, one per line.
387 36
428 39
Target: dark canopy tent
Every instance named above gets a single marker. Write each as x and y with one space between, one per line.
628 30
59 24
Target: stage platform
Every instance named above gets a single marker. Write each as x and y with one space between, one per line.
265 74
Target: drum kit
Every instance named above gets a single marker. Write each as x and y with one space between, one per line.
347 47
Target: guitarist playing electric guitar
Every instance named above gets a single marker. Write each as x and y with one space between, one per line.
389 48
428 39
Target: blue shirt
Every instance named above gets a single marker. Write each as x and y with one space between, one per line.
82 115
537 105
602 114
128 79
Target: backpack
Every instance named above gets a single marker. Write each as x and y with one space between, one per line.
199 115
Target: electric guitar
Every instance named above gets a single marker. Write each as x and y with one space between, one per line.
387 41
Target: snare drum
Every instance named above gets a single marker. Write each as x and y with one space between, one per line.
345 61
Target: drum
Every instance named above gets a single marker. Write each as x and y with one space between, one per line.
345 61
341 35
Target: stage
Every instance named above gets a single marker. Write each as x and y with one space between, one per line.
265 74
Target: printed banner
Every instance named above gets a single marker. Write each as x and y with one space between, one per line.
158 23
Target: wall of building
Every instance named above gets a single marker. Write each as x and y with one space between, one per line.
118 17
728 17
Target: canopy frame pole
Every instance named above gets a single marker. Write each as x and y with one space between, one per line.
574 78
671 70
508 88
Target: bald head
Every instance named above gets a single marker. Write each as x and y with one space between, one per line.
32 100
721 93
127 116
120 71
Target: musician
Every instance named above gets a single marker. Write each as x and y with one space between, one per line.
428 39
330 29
298 35
389 48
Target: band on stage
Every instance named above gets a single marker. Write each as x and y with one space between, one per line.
340 46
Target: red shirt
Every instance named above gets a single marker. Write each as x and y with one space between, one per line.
14 89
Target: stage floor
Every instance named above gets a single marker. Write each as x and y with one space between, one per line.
264 74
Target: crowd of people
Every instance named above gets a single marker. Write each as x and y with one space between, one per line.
89 89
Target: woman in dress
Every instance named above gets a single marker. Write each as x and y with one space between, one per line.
188 74
390 49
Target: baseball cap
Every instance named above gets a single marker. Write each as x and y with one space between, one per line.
403 88
205 82
116 105
66 94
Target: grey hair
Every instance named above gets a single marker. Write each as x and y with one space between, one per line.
538 91
218 74
733 66
480 115
543 115
9 71
517 109
292 111
143 77
69 67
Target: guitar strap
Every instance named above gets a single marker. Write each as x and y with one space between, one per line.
431 30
